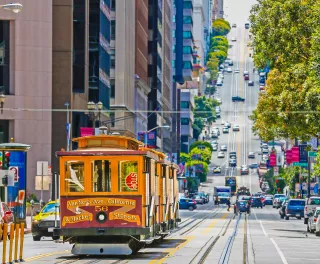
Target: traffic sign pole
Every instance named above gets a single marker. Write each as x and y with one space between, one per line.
309 165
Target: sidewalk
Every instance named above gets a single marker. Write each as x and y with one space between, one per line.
27 229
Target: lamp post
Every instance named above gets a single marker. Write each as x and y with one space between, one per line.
14 7
146 134
2 100
92 112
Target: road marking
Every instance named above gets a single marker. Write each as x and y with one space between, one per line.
172 251
284 261
46 255
212 225
262 227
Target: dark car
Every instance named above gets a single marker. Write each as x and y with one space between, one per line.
246 77
232 163
253 166
241 206
282 210
187 203
237 99
256 202
295 208
250 83
268 200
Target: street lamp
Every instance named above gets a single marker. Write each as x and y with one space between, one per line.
2 100
14 7
92 112
146 134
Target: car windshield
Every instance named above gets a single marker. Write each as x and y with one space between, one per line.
224 194
297 203
315 201
49 208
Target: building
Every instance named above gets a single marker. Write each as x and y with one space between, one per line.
208 6
26 81
182 71
160 70
80 65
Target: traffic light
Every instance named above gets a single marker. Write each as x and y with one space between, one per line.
6 161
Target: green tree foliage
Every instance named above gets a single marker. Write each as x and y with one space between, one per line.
205 144
197 126
220 27
219 41
219 54
205 154
286 35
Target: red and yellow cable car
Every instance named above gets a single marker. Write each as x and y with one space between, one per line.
115 195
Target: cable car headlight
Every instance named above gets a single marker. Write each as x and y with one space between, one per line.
101 217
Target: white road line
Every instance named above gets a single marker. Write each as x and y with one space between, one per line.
284 261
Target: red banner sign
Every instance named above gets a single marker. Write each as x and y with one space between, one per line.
86 131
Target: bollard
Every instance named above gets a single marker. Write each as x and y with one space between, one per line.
16 243
11 242
4 248
21 241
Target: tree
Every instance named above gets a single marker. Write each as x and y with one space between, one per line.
205 144
219 54
220 27
286 36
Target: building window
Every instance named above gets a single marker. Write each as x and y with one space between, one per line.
112 88
113 29
174 48
4 56
173 33
174 19
187 50
186 65
4 131
187 20
101 176
187 35
113 5
185 121
184 104
173 64
113 58
187 5
112 119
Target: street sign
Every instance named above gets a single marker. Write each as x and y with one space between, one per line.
300 164
312 154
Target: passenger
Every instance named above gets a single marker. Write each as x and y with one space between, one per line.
249 206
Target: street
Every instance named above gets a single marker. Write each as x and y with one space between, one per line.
204 237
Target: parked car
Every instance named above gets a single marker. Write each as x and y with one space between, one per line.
225 130
233 39
251 155
312 220
311 204
229 70
215 148
233 163
251 83
261 88
234 25
282 210
256 202
221 154
245 73
217 170
227 124
223 147
246 77
295 208
204 197
237 99
43 222
230 63
187 203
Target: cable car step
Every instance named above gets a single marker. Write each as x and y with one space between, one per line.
149 240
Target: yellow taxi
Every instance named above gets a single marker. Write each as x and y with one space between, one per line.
44 221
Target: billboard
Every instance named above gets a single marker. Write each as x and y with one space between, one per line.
86 131
295 154
303 153
151 140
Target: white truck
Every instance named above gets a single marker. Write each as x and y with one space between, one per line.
223 193
311 204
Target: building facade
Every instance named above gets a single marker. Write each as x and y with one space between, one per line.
160 71
26 81
80 66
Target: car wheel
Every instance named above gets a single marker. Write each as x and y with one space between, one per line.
299 218
318 233
281 216
287 217
308 228
190 208
36 238
312 230
305 221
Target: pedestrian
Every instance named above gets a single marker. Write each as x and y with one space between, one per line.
228 204
216 200
248 206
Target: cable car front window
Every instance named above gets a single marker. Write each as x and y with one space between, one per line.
101 176
74 176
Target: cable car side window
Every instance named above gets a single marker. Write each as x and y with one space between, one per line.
128 176
101 176
74 176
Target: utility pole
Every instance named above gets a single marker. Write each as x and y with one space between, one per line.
309 168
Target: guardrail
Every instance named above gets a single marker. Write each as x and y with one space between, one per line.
16 235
